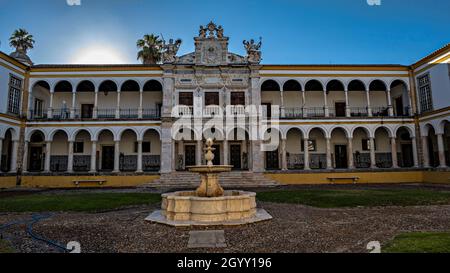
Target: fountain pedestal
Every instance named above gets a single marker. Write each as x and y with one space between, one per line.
209 205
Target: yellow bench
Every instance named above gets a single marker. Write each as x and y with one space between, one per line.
99 182
334 179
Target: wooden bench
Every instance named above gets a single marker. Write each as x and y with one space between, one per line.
334 179
99 182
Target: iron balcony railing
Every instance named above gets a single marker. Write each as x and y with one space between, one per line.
129 113
359 111
106 113
380 111
294 112
37 115
151 113
314 112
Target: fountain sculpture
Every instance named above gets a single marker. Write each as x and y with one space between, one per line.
209 205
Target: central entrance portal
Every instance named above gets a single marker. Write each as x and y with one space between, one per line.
272 160
235 156
108 158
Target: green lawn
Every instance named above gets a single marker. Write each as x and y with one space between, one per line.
5 247
419 242
354 198
76 202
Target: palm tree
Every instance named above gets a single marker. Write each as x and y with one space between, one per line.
21 40
150 49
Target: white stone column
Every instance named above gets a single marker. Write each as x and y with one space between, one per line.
389 101
415 156
282 108
441 150
329 161
305 114
283 155
139 157
15 146
325 104
306 153
351 162
225 152
50 107
347 104
373 162
369 106
74 103
48 151
425 152
116 156
198 154
118 105
141 101
70 158
94 157
394 152
95 111
25 157
167 148
1 153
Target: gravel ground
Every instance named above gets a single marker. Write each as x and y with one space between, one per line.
295 228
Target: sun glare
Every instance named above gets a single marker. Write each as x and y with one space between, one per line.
98 55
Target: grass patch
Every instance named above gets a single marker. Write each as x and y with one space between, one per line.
5 247
76 202
354 198
419 242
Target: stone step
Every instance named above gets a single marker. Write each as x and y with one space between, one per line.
243 179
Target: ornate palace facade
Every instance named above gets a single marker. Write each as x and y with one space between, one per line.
80 121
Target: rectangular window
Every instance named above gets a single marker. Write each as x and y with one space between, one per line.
211 98
425 98
186 98
14 96
38 108
78 147
237 98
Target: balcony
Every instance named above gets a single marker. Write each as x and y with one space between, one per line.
99 114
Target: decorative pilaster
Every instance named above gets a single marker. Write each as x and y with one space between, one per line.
225 152
167 148
198 154
394 152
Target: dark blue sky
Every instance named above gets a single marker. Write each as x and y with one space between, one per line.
293 31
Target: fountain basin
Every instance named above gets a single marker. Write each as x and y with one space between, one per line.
185 208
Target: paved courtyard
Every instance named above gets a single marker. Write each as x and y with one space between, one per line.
295 228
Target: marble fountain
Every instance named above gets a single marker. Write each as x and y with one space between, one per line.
209 205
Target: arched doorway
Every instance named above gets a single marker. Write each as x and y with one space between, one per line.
6 152
405 148
36 152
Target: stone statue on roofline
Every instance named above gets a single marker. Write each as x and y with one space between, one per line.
253 50
170 50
